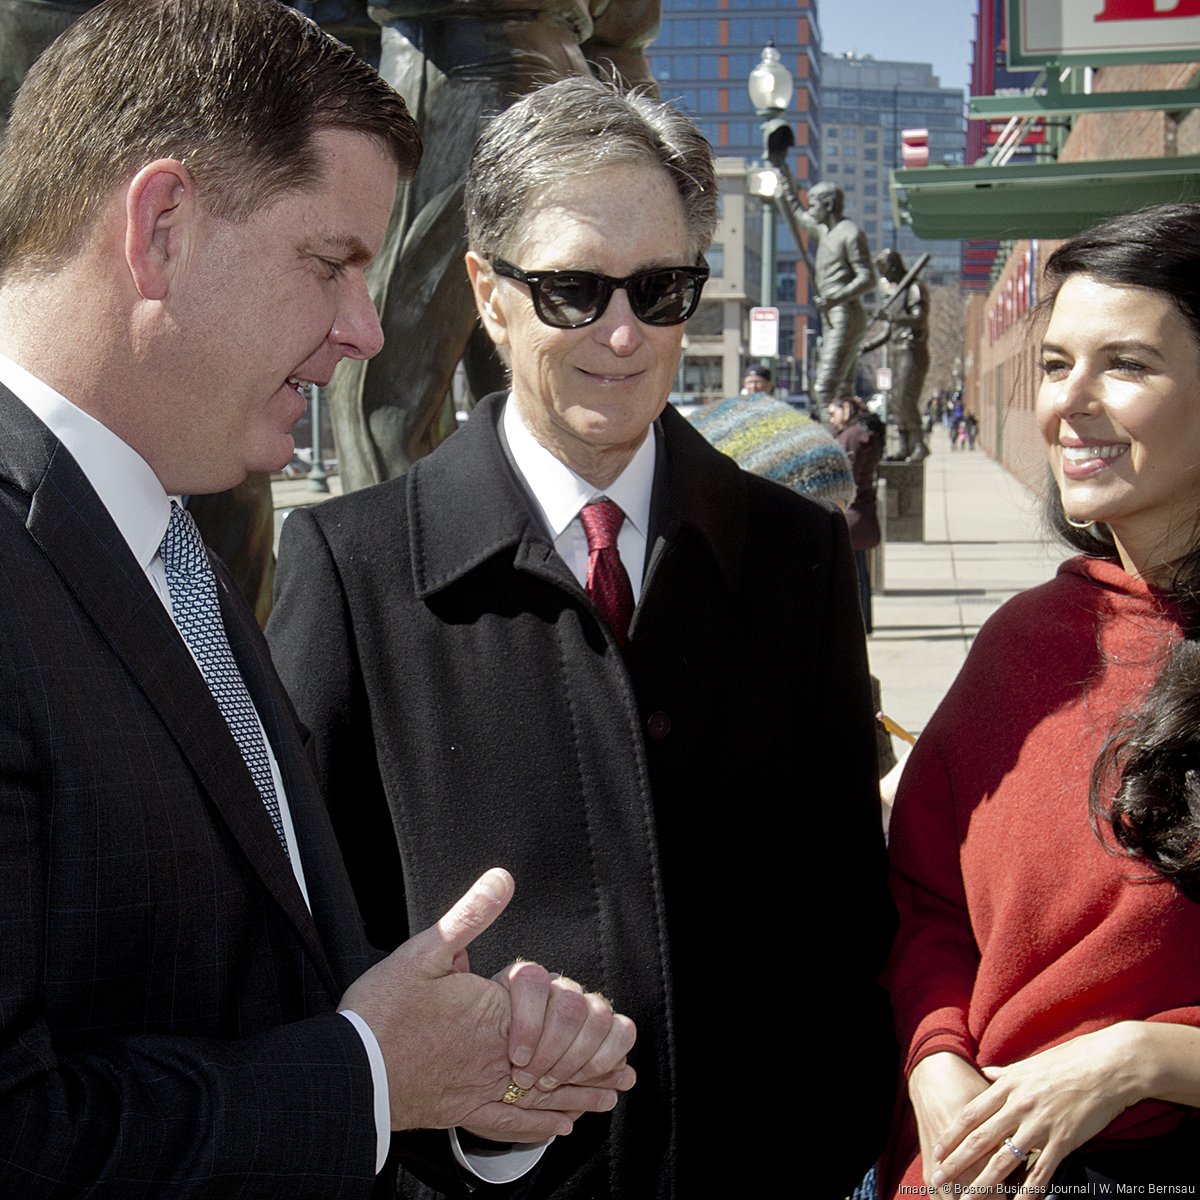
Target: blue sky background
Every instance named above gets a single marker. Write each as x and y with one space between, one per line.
933 31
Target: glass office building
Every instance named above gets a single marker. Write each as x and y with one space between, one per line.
865 103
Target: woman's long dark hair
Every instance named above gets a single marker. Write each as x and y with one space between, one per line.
1144 798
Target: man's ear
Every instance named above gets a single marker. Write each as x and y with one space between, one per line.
487 298
159 203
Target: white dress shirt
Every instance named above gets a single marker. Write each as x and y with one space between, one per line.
561 493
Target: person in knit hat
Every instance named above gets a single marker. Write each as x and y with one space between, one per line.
770 438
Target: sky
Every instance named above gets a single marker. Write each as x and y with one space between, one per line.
936 31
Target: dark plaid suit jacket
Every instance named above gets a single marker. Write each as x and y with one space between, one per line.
167 1023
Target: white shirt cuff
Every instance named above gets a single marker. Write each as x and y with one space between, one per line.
383 1110
503 1166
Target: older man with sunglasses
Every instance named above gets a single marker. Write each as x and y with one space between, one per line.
578 640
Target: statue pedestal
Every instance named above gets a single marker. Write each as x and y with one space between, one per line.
904 501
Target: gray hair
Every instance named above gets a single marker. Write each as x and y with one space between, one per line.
575 127
825 190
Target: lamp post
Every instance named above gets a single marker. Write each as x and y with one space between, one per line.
770 88
318 480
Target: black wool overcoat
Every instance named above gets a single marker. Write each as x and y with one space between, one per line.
693 821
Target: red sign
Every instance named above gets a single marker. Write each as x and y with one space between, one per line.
1144 10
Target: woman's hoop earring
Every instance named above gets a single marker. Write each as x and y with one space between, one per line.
1078 524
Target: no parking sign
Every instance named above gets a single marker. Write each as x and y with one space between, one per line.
764 332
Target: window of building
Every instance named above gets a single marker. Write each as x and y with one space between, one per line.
870 136
765 29
683 66
870 155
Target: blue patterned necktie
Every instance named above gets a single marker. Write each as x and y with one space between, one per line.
193 588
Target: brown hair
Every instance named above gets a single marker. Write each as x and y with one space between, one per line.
234 89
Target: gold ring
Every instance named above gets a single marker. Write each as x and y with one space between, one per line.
513 1093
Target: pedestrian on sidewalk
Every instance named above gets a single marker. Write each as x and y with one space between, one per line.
1045 845
860 434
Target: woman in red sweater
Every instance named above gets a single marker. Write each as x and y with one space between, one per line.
1046 838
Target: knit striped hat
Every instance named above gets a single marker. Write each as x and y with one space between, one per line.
770 438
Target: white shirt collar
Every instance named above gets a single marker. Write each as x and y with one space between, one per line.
121 477
561 492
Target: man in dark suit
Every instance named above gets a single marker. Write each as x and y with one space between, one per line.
593 647
190 191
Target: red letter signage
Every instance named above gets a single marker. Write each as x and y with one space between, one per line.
1144 10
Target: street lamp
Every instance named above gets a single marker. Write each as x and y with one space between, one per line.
770 83
770 88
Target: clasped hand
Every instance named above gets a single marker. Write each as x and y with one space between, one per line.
452 1041
1048 1104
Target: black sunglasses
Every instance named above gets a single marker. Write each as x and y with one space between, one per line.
571 299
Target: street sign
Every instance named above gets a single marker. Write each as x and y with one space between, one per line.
764 332
883 379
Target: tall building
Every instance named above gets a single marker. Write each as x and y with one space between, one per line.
702 59
865 103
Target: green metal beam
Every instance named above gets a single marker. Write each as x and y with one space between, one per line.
988 108
1045 200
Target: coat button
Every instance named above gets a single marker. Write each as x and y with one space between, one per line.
658 726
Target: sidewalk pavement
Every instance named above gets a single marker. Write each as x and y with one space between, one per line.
983 543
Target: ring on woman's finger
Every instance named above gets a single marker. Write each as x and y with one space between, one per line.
513 1093
1014 1149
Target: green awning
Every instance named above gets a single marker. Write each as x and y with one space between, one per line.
1040 200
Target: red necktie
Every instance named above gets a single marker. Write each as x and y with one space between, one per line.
607 580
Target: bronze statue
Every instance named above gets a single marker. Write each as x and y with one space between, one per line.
456 62
840 269
906 310
27 27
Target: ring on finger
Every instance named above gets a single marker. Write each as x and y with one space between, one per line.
1014 1149
514 1092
